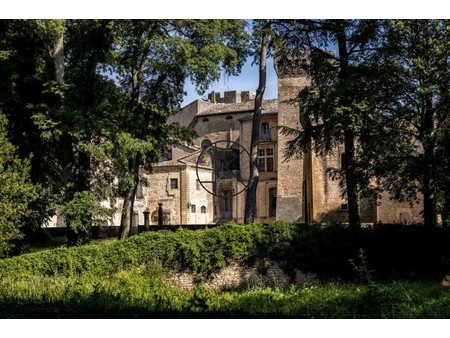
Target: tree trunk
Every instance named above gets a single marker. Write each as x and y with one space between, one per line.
429 161
128 200
354 218
429 196
127 209
58 59
134 162
429 210
250 202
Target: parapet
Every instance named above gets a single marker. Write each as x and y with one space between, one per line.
232 96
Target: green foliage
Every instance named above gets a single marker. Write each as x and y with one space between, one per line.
336 114
202 252
83 211
16 192
411 252
129 278
363 274
414 97
276 239
145 294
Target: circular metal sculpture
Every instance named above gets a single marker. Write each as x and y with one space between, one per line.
224 157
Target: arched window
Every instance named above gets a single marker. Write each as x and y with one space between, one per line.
193 208
203 209
265 131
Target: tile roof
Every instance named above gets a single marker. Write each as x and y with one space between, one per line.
170 163
263 115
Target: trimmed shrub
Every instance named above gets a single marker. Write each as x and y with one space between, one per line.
391 252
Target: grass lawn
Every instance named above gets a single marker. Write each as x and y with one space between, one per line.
145 294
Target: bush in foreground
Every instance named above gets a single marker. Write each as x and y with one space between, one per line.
334 253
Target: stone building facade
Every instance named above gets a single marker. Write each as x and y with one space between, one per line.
295 189
204 182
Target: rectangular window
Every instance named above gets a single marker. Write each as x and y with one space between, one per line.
198 185
272 202
265 160
174 183
270 164
228 195
265 131
261 164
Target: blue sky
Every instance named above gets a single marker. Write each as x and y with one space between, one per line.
247 80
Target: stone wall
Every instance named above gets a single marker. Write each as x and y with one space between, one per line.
291 81
199 197
264 273
160 191
327 203
394 211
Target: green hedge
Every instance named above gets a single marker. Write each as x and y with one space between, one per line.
201 251
389 252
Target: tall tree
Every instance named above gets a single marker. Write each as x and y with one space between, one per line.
334 107
26 65
16 192
59 101
74 123
154 59
250 201
414 96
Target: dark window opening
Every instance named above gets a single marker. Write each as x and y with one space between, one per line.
203 209
269 164
228 194
261 164
344 206
174 183
265 160
265 131
193 208
272 202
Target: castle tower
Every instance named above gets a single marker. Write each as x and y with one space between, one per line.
291 80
